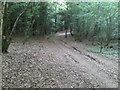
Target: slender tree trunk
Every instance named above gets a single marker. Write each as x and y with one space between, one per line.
55 18
71 30
1 24
66 33
65 23
55 22
101 49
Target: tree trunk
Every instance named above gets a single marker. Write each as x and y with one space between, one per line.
6 37
101 49
1 24
71 30
66 27
66 33
5 44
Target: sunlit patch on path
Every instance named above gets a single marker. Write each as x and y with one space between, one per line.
62 33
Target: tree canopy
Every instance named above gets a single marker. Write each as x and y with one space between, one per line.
85 20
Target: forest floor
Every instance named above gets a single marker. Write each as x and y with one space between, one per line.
55 61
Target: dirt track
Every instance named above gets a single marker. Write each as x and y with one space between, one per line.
54 61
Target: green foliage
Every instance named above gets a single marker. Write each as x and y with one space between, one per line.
108 52
96 21
99 20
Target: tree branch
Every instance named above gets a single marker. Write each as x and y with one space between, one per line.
15 23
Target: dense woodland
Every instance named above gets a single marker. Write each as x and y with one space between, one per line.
96 21
60 44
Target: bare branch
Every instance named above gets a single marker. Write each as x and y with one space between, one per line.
18 19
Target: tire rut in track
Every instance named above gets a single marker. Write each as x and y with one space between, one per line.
73 58
69 46
92 58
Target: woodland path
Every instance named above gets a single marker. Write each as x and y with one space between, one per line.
54 61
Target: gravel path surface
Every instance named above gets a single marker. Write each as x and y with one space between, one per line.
54 61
